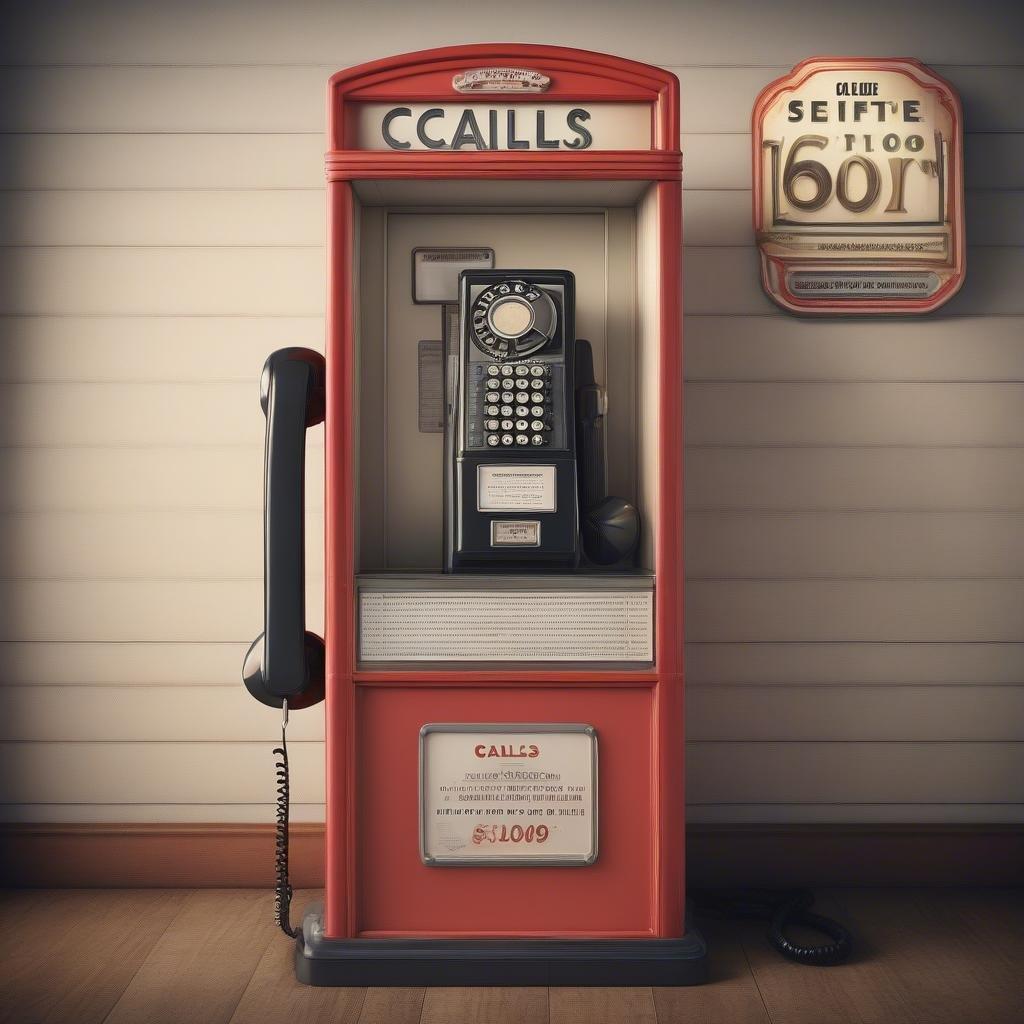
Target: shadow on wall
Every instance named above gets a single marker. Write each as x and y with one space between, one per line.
12 284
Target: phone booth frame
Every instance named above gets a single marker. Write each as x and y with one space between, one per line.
338 946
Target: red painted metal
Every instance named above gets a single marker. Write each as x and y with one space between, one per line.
339 565
606 165
670 892
576 75
401 894
376 883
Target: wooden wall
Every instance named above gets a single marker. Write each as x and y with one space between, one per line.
855 490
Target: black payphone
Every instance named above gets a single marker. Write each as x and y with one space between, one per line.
524 436
511 488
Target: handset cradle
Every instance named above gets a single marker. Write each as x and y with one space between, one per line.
609 526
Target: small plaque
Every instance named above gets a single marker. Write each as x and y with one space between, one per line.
515 533
515 488
435 271
500 80
508 794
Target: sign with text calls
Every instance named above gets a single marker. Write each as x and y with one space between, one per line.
508 794
497 126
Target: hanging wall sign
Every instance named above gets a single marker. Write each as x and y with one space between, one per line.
858 187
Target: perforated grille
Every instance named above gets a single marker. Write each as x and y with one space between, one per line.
456 255
463 625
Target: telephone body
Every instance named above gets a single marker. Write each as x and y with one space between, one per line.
511 496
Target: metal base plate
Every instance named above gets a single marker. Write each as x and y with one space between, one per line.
431 962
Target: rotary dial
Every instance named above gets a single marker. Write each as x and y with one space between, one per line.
512 320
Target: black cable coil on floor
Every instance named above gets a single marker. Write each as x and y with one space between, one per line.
282 888
781 908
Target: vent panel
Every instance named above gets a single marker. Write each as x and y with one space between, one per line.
585 625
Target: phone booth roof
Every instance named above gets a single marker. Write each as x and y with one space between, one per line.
540 75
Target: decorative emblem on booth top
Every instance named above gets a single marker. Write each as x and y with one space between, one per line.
858 187
500 80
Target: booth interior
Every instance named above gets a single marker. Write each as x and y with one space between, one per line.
406 327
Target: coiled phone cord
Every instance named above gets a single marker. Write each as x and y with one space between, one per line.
781 909
282 888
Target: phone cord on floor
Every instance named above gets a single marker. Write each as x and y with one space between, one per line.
282 888
782 909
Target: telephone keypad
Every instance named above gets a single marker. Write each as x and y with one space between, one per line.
523 391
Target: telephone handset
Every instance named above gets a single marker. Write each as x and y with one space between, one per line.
609 526
513 496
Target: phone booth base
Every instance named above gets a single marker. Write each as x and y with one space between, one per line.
504 652
537 962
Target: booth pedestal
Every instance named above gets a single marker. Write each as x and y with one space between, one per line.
419 962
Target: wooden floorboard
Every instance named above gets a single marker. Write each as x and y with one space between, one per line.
273 996
989 918
731 995
392 1006
69 955
940 975
602 1006
921 957
861 990
792 994
485 1006
202 963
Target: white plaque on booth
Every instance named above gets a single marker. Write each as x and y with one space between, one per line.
508 794
506 488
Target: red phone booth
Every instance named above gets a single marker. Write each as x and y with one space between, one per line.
503 658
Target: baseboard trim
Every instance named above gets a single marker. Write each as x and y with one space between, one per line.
111 855
220 855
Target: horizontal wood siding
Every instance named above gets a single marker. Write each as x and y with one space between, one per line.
855 490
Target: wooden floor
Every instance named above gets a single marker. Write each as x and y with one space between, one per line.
207 956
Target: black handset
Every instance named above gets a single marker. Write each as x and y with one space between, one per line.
510 444
284 667
609 526
286 661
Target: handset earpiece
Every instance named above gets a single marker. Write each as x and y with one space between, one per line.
609 526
